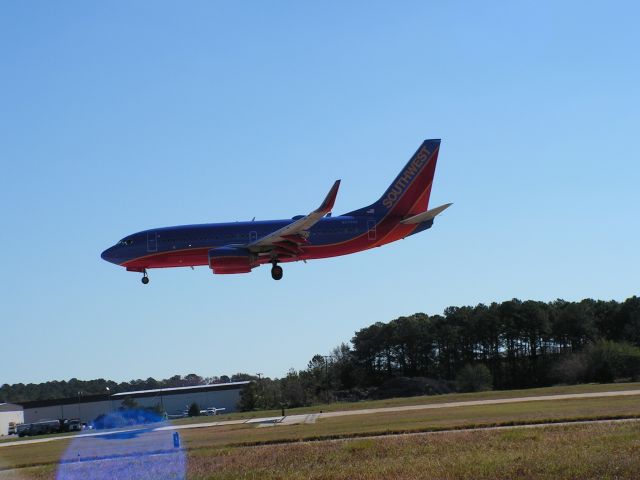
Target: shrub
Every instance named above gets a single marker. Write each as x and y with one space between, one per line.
474 378
410 387
571 369
604 362
194 410
248 397
608 361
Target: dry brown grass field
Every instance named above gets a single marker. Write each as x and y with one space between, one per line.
596 451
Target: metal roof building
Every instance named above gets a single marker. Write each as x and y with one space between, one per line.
172 400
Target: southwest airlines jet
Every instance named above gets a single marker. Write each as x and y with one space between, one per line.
241 246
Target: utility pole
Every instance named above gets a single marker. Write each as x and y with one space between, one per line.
326 376
79 413
110 399
261 395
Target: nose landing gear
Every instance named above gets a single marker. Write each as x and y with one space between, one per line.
145 278
276 271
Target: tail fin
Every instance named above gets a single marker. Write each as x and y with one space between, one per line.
409 193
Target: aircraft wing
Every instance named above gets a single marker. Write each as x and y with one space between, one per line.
287 239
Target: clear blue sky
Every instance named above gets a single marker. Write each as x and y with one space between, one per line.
122 116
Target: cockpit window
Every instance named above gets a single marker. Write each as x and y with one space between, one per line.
125 242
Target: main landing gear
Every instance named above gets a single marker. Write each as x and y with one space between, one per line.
145 277
276 271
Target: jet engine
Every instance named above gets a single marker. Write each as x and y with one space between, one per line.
232 260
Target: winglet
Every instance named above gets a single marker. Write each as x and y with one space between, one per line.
330 199
293 232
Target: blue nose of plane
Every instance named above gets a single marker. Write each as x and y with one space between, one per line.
110 255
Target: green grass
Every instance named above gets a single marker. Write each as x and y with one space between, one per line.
16 438
426 399
418 420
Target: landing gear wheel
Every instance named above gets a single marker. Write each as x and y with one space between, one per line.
145 278
276 272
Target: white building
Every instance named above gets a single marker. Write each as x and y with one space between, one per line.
171 400
86 408
9 413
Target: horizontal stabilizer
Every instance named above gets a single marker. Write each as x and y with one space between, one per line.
426 216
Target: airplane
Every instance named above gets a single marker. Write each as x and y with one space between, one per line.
212 411
238 247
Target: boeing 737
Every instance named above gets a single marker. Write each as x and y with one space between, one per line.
241 246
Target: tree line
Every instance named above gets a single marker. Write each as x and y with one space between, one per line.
512 344
520 342
20 392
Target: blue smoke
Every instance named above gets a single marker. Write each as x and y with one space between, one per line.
126 446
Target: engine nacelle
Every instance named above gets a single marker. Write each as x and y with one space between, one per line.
231 260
